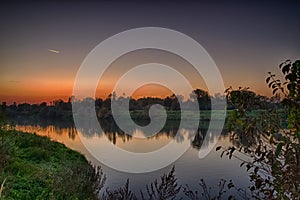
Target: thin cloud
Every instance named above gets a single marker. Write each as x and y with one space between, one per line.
53 51
14 81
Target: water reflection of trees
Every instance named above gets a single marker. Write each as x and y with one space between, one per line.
114 133
198 140
61 124
170 130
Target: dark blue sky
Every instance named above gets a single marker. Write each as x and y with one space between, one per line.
246 40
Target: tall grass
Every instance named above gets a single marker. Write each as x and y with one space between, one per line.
2 187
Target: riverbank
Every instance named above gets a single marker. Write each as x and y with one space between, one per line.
34 167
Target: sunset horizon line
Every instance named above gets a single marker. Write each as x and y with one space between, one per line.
49 99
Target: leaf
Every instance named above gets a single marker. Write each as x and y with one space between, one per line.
218 148
278 148
230 185
248 166
292 77
256 170
270 84
234 114
222 154
275 90
232 150
285 69
280 65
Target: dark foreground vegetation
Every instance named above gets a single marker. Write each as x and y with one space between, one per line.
273 148
33 167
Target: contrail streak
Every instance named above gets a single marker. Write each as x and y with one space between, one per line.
52 50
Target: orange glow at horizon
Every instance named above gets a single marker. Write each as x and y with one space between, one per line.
36 91
49 86
152 90
50 93
50 90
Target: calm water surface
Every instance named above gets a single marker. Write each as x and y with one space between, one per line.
188 168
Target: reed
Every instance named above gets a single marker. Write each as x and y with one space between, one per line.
2 187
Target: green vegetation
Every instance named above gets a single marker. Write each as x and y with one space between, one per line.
33 167
273 147
204 115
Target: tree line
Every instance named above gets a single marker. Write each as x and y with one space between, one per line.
59 109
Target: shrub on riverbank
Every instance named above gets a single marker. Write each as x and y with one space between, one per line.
37 168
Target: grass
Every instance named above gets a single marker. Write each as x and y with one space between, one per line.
176 115
33 167
2 187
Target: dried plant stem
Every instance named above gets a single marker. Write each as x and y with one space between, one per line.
2 187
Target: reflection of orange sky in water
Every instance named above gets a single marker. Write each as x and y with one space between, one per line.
66 136
69 137
144 145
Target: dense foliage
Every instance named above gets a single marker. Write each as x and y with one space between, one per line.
33 167
59 110
272 137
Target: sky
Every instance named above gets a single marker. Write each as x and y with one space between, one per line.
44 43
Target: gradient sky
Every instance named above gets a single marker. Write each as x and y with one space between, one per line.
246 40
